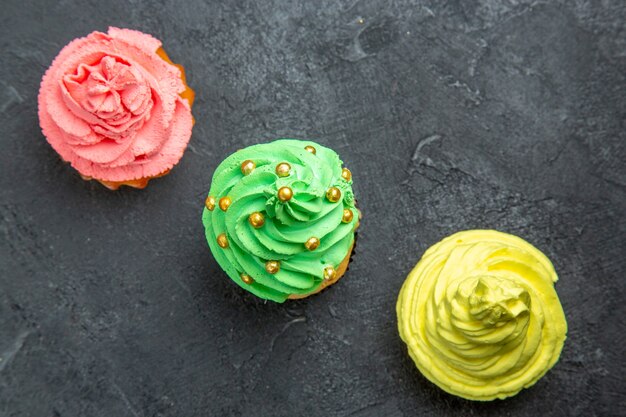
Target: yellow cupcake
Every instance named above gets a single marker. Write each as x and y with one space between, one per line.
480 315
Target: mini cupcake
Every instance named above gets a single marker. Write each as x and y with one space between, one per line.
280 218
116 108
480 315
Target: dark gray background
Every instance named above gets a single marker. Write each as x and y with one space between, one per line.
477 114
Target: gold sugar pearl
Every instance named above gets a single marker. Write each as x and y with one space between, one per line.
346 174
329 273
246 278
272 267
225 203
283 169
347 216
312 243
285 194
256 219
333 194
209 203
311 149
247 167
222 240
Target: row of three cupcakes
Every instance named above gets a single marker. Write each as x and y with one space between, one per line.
478 313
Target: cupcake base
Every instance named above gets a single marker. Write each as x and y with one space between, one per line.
140 183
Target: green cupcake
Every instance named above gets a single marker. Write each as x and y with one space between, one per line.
280 218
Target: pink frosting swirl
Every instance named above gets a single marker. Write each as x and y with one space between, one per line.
111 106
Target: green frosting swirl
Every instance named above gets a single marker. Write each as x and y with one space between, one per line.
288 224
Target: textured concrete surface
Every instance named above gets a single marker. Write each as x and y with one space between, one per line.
475 114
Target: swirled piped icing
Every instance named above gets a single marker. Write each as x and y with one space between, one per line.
280 217
115 107
480 315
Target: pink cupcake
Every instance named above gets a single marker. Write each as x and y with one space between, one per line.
116 108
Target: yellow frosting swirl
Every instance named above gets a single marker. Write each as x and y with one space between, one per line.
480 315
